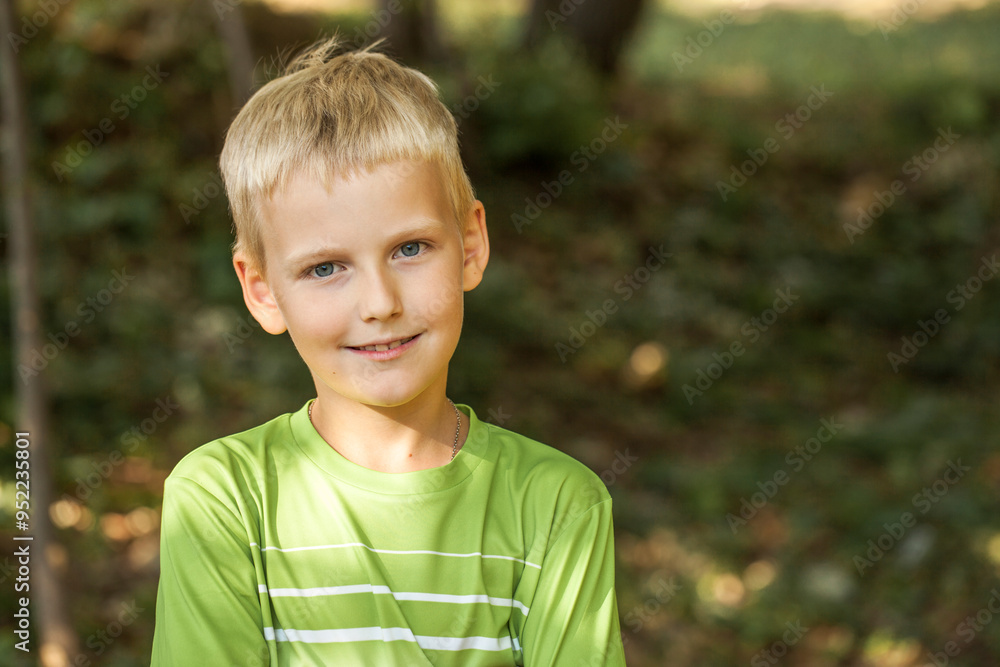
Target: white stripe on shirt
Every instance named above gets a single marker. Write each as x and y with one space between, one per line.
384 590
377 633
394 551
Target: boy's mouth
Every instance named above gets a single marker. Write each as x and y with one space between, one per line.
382 347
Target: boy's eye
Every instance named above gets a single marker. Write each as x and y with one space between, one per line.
410 249
323 270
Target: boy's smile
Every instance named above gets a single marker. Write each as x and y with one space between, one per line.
385 350
368 280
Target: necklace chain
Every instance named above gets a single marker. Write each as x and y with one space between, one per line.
458 426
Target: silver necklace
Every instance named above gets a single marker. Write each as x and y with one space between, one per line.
458 426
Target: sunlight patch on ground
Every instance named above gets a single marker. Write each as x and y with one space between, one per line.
884 650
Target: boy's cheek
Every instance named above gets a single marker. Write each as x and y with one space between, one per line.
447 296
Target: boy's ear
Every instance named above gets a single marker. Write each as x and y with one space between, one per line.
476 245
258 296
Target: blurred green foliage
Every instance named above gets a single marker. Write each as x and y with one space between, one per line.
180 332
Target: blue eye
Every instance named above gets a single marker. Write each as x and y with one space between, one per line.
410 249
323 270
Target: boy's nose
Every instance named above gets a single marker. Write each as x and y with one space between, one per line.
379 297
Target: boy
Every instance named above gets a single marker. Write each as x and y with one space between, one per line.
380 524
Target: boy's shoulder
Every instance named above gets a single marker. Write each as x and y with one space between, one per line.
528 462
243 452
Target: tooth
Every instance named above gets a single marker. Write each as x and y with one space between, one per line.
381 348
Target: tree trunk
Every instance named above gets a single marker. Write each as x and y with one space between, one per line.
239 56
600 27
411 29
58 641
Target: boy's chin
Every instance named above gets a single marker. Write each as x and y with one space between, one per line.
382 397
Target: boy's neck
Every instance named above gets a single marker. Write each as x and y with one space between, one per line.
406 438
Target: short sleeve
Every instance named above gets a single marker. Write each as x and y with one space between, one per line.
207 604
573 619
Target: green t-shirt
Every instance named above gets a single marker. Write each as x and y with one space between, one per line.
276 550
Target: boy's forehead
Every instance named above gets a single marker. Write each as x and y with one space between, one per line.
385 176
408 189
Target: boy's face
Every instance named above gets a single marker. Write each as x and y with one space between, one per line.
377 260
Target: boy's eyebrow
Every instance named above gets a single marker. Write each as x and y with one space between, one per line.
419 227
422 227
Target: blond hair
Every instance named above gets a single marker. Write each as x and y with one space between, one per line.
335 114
